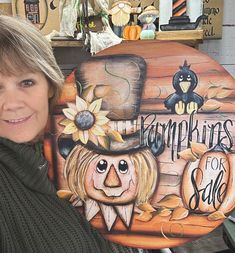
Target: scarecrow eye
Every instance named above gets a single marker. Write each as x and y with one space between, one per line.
189 78
181 78
123 167
102 166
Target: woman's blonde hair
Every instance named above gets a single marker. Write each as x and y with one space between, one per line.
80 158
24 48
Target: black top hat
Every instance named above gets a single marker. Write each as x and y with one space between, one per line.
131 144
118 81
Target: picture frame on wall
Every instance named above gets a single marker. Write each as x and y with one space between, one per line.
212 24
43 14
5 7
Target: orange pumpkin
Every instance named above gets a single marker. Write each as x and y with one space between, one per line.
132 32
208 183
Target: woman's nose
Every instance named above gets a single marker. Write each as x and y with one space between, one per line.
12 100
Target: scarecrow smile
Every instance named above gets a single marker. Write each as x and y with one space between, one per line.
112 193
115 192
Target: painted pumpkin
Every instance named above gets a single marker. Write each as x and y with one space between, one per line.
184 202
132 32
208 182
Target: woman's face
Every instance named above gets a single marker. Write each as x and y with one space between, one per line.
23 106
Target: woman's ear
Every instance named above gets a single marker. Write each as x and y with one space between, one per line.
51 92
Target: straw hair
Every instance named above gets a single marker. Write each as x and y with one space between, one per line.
23 48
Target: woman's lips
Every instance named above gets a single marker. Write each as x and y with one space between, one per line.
18 121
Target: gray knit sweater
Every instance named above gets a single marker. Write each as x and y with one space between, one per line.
32 217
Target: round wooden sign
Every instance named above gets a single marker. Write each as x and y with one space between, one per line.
143 143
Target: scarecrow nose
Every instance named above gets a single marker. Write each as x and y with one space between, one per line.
112 179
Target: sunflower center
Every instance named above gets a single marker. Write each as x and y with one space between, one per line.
84 120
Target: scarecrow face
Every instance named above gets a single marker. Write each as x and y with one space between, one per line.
111 180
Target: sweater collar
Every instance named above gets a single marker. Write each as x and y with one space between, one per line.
27 163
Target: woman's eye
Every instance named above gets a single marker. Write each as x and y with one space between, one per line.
102 166
27 83
123 166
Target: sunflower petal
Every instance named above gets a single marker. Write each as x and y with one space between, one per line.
65 122
75 136
97 130
101 113
69 113
104 141
115 135
95 106
70 129
80 104
93 138
88 93
72 106
84 136
101 120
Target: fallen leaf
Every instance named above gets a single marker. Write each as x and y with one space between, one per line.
146 207
198 149
218 215
170 201
64 194
187 155
224 92
211 105
212 91
179 213
163 212
144 216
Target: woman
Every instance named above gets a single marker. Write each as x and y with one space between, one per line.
32 217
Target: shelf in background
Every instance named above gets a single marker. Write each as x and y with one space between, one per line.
189 37
67 43
181 35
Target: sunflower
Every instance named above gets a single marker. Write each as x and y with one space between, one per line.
85 121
